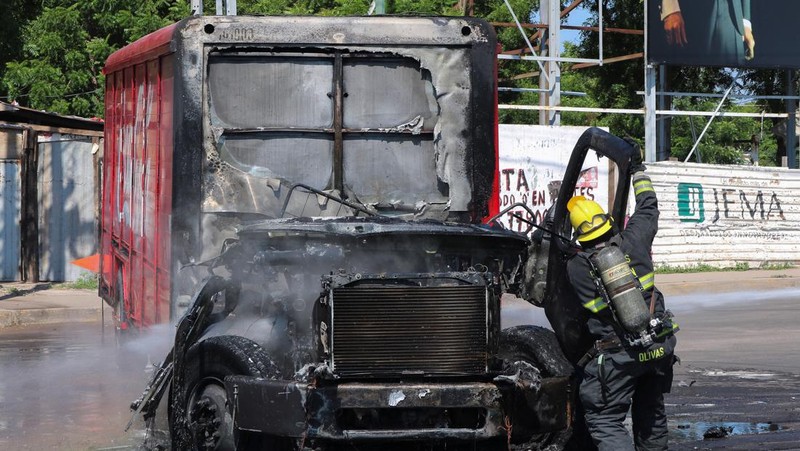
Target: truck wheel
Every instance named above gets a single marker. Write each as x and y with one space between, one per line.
209 416
539 347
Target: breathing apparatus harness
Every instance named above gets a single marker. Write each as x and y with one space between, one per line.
622 292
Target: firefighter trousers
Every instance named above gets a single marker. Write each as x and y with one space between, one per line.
616 382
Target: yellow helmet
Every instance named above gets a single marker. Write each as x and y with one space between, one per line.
588 218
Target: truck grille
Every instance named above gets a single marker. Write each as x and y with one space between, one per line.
394 331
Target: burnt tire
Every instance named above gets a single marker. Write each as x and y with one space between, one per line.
539 347
209 418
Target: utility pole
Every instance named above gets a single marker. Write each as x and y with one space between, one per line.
550 12
663 124
791 121
649 101
226 7
649 112
197 7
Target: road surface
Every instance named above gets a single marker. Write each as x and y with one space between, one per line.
68 386
740 371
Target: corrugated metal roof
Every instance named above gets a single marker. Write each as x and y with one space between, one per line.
22 115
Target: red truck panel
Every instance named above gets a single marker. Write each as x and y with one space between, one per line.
107 206
164 187
150 47
136 194
137 188
125 170
149 234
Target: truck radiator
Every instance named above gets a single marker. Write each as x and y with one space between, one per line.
398 330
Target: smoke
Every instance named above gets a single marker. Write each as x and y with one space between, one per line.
516 312
152 343
69 386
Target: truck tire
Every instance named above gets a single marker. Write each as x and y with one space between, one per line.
539 347
209 416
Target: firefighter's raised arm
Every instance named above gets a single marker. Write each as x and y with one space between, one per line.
643 224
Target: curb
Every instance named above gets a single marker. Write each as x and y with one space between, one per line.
700 288
51 307
27 317
727 282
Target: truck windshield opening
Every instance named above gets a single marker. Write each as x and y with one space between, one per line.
358 122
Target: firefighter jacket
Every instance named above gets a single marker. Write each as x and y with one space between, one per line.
635 242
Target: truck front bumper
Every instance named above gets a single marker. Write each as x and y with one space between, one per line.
398 411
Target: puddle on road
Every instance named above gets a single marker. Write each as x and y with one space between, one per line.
740 374
709 430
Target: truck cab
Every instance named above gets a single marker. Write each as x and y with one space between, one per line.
324 192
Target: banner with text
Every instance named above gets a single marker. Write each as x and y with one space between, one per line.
724 215
533 159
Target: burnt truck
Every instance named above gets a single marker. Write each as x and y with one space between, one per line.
313 202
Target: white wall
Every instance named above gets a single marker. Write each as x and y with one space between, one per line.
717 215
724 215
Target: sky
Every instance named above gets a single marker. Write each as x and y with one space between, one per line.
576 17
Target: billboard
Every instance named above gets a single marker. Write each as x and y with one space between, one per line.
730 33
533 159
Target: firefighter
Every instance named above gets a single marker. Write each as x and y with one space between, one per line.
625 369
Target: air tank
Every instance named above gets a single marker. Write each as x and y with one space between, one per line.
622 288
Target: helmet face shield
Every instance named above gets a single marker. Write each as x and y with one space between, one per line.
588 218
597 220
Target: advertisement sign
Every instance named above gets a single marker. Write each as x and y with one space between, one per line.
725 215
730 33
533 159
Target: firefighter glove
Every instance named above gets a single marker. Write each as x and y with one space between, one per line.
636 156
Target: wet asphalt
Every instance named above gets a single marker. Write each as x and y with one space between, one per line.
67 386
739 379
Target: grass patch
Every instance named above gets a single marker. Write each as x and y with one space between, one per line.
702 267
777 266
84 282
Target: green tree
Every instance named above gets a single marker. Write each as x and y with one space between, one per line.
16 15
59 65
53 52
61 59
509 71
615 85
771 82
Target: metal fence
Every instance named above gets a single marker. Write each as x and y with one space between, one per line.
12 140
67 205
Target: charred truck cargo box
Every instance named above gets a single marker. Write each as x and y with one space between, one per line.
216 121
304 196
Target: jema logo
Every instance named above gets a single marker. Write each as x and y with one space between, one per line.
690 202
727 203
